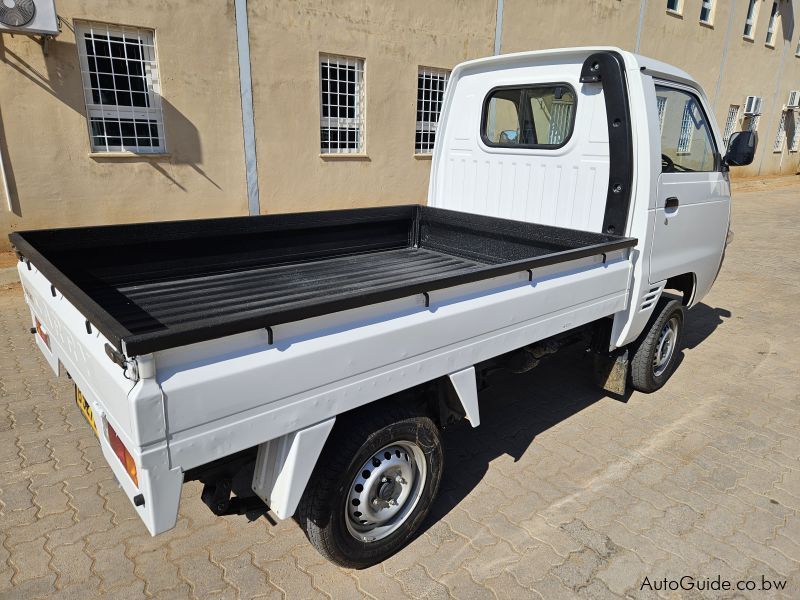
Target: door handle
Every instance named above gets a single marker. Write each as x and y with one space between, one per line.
671 203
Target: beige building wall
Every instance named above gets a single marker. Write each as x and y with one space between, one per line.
541 24
728 66
54 179
394 39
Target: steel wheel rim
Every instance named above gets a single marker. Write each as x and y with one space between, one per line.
385 491
665 347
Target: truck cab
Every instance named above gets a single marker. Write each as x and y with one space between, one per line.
542 137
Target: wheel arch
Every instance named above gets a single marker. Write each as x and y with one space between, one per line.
686 284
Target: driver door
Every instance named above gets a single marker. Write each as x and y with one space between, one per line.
693 205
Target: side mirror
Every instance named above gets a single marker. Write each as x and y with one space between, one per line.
741 148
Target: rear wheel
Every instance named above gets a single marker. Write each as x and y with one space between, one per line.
372 486
656 352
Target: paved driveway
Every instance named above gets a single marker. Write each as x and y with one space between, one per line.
561 492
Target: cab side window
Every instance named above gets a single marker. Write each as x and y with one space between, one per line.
686 141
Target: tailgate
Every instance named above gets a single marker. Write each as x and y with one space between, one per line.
133 409
78 346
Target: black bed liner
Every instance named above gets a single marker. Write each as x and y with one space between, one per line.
153 286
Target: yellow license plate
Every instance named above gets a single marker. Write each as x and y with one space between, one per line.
85 409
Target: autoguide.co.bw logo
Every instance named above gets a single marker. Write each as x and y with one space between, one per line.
687 582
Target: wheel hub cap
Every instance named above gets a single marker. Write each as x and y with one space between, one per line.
385 491
665 347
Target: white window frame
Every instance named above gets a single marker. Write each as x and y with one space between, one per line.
678 10
356 101
751 20
430 110
687 131
109 113
773 25
730 123
780 137
661 103
707 5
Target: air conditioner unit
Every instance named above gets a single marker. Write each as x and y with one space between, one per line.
794 99
28 17
752 105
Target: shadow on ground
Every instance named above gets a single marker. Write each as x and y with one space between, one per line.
517 408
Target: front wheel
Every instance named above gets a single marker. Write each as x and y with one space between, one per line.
656 352
372 486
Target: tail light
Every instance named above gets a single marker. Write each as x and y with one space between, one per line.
122 454
42 334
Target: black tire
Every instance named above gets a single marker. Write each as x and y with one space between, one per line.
645 376
356 438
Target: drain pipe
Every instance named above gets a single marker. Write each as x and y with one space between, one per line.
248 117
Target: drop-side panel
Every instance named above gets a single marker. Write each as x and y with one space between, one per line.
221 404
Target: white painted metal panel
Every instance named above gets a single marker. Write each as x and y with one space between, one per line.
221 404
284 466
565 187
82 354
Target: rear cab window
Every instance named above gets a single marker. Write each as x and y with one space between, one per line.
533 116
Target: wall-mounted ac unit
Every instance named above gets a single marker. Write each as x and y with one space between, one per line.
794 99
752 105
28 17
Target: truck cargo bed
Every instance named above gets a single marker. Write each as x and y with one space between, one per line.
152 286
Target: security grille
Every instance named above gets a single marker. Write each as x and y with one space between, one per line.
794 143
560 121
121 88
781 135
705 11
662 106
730 122
431 84
687 130
750 122
342 105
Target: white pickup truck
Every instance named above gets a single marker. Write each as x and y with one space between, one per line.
307 362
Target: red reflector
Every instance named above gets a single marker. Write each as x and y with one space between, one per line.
122 454
42 334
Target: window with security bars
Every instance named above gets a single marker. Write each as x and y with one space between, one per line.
706 10
431 84
780 137
662 106
750 122
773 25
342 105
121 88
685 138
560 121
730 122
793 131
750 20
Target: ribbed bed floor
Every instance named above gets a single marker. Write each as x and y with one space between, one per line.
142 307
